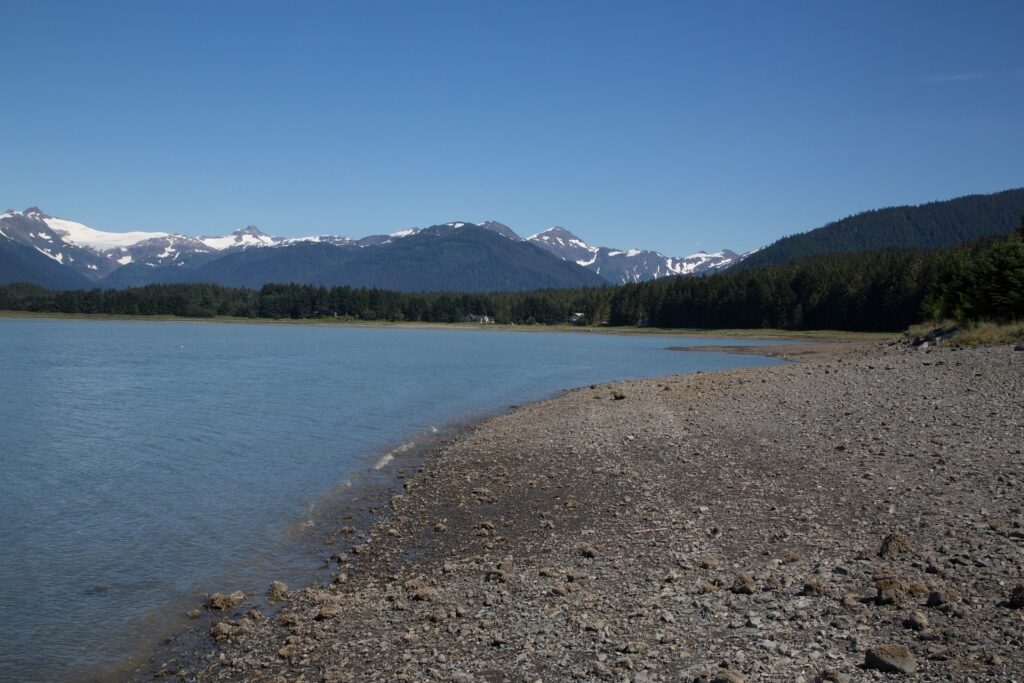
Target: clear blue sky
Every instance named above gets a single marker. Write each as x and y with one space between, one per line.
675 126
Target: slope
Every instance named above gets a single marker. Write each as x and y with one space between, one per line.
927 226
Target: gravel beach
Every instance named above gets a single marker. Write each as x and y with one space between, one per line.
857 516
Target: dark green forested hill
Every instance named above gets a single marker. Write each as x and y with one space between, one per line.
928 226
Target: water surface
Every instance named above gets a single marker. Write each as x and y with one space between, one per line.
146 463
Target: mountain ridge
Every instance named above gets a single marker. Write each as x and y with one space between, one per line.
933 224
125 259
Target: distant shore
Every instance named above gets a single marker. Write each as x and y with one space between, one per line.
823 335
798 520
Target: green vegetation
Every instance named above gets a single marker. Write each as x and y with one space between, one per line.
868 292
928 226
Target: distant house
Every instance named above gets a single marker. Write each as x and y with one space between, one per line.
482 319
578 319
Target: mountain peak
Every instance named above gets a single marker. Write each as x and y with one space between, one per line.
35 212
501 229
557 231
250 230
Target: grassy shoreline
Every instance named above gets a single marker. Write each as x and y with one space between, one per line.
818 335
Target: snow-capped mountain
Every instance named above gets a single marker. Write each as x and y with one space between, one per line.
630 265
97 253
119 259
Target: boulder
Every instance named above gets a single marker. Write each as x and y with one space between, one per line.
891 658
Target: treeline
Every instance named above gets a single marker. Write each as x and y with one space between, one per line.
928 226
869 291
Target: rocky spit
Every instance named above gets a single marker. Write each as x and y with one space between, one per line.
855 517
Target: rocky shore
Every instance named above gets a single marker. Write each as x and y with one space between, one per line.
855 517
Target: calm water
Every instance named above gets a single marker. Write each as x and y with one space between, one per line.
144 464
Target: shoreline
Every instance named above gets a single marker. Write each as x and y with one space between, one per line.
359 503
349 512
708 525
754 334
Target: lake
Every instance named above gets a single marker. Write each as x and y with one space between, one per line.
146 463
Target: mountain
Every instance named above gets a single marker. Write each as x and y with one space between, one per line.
54 252
927 226
632 265
452 257
22 263
460 255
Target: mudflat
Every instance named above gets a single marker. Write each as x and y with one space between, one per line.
857 516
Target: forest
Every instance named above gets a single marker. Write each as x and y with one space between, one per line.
927 226
884 290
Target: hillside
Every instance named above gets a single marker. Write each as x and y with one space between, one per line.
21 263
927 226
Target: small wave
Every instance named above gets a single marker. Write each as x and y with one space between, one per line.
390 455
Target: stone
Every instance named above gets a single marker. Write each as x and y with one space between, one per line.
1016 600
832 676
890 658
891 591
894 545
917 621
222 631
727 676
941 596
744 585
221 602
277 591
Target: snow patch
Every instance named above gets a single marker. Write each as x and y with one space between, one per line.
236 240
59 258
84 236
410 231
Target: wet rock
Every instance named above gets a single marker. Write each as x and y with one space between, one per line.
891 658
221 602
277 591
328 611
222 631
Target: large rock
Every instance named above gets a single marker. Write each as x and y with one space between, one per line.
894 545
891 658
222 603
277 591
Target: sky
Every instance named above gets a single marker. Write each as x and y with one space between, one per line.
674 126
